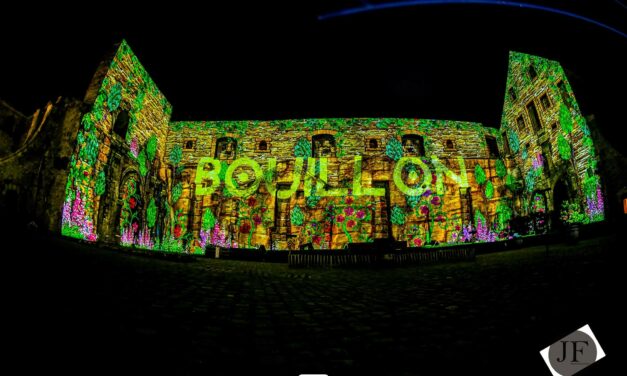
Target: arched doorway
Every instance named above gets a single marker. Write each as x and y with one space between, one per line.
130 208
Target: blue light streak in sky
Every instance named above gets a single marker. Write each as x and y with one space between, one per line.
367 7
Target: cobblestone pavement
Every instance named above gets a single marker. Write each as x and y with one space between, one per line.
75 308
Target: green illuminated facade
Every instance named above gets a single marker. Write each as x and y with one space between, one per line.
141 180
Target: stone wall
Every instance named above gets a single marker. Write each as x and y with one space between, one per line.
13 126
33 176
369 139
568 147
180 186
106 156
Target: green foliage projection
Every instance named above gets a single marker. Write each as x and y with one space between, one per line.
176 191
504 214
397 216
297 217
394 149
479 218
88 122
514 143
176 154
501 170
88 147
115 96
479 174
101 182
566 119
208 220
563 147
489 189
151 213
143 165
510 182
151 148
302 148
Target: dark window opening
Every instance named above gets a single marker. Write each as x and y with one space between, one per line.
493 147
544 99
226 148
413 145
533 116
521 123
373 143
449 144
120 127
323 145
512 93
532 72
263 145
506 148
554 126
189 145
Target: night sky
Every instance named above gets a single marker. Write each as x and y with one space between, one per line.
270 62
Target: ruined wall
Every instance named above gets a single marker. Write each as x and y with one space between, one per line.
13 126
290 200
32 177
556 147
118 151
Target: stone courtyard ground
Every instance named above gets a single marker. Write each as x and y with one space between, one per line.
74 308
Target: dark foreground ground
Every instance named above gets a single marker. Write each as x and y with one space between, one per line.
73 308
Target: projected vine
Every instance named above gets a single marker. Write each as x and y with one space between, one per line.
148 183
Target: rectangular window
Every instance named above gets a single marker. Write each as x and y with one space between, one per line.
532 72
533 116
512 93
493 147
189 144
413 145
521 123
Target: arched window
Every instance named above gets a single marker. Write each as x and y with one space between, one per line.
263 145
323 145
226 148
413 145
449 144
120 127
188 145
373 143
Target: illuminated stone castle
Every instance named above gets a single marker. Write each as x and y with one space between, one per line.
139 179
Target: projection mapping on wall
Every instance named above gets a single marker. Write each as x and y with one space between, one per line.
142 181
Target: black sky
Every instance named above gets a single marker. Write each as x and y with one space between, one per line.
270 62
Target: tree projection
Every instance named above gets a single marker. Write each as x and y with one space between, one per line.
140 180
